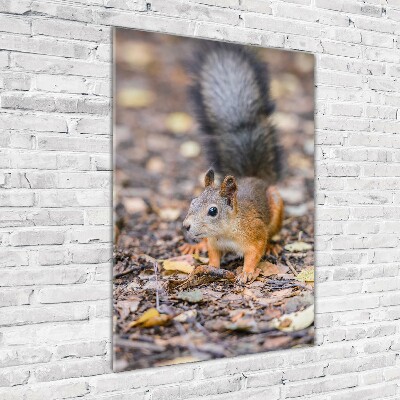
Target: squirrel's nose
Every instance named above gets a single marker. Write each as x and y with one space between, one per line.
186 226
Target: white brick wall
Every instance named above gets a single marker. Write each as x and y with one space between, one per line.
55 232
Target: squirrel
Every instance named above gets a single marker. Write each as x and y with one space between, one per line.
230 94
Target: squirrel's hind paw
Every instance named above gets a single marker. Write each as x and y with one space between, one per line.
273 249
247 277
194 248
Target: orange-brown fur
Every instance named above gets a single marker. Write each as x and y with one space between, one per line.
250 215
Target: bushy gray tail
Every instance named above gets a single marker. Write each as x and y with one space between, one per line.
230 93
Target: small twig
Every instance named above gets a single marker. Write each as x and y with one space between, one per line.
126 272
289 264
300 235
155 265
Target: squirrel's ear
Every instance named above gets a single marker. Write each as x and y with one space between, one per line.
209 178
228 189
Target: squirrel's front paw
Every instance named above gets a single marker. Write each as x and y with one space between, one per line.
194 248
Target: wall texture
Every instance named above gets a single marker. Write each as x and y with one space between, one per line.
55 197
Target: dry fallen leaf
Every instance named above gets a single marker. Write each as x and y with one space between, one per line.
276 88
295 321
134 305
297 160
275 297
202 260
179 122
237 315
123 308
138 55
135 98
155 165
268 269
190 149
191 296
169 214
181 263
150 318
134 205
245 324
152 312
307 275
298 247
185 316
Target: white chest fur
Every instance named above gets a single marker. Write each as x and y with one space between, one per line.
229 245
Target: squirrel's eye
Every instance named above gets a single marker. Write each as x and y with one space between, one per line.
212 211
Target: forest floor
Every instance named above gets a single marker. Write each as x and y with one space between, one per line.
170 309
